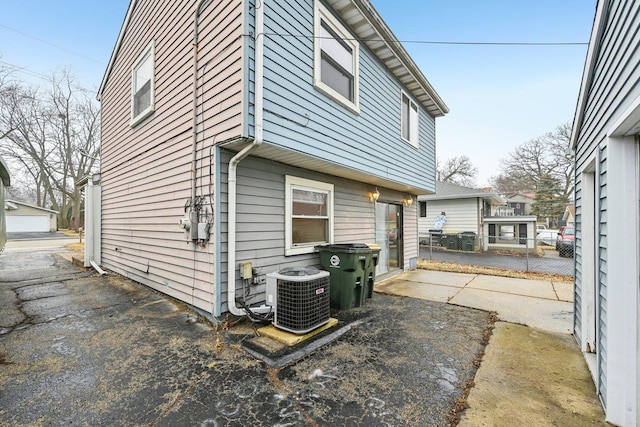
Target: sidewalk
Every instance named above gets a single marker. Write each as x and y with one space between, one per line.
533 372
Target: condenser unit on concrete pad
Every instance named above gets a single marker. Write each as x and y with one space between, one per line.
300 298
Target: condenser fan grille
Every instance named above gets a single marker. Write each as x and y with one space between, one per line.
303 305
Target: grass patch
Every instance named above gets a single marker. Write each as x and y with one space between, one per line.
426 264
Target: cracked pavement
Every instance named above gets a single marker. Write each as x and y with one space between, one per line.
80 349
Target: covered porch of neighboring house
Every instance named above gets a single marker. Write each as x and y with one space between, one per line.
510 232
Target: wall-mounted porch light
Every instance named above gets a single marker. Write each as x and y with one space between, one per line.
373 197
408 202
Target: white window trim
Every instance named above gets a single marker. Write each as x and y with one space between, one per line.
292 182
322 13
149 51
413 119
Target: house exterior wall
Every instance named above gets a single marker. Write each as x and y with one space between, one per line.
462 215
146 169
300 118
606 216
261 218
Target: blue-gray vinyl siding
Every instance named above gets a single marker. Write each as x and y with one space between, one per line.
260 234
301 119
612 88
578 257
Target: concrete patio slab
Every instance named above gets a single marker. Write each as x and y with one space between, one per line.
459 280
564 290
546 314
425 291
509 285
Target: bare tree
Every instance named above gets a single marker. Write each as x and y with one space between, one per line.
458 170
54 136
544 156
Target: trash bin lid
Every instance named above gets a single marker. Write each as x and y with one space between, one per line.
374 246
299 271
343 247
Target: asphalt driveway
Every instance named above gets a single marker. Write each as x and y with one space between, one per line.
80 349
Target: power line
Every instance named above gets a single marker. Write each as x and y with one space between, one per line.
25 70
52 44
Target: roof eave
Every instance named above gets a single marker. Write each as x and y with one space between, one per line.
116 48
371 29
589 67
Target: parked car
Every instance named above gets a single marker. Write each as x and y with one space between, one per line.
547 237
565 241
541 227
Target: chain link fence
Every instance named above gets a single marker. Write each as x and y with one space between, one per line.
506 252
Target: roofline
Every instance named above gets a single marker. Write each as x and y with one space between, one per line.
369 13
32 206
116 48
589 67
482 195
374 18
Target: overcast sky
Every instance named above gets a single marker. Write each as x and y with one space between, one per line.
499 95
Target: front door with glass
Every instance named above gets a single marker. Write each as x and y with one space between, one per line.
389 237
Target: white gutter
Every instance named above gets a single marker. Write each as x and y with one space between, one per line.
233 163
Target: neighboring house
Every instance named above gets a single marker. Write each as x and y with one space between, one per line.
23 217
520 203
234 134
568 217
605 140
476 210
5 181
465 208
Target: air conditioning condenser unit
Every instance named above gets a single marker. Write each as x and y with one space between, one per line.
300 298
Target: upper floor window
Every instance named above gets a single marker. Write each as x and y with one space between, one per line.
336 58
409 120
142 86
309 215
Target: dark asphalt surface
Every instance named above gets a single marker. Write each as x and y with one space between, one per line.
38 235
558 265
80 349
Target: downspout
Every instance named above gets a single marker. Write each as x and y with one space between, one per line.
193 214
233 163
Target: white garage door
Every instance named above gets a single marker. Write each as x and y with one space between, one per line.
27 223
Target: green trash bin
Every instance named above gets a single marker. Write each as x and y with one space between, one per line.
371 269
453 242
347 265
468 241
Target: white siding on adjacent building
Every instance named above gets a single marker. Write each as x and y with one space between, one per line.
462 215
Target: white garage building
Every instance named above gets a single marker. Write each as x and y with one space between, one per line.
22 217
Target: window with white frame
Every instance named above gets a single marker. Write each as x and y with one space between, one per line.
309 215
142 86
336 59
409 119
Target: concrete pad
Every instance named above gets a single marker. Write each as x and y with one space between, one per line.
290 339
425 291
509 285
564 290
530 377
459 280
548 315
